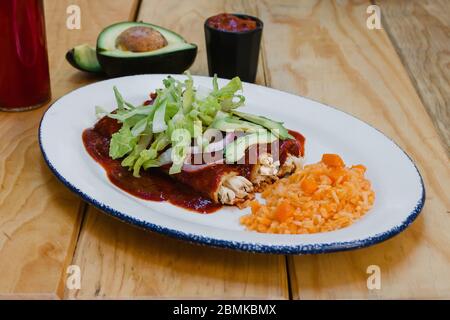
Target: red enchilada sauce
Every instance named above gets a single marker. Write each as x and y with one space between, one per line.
152 185
229 22
156 185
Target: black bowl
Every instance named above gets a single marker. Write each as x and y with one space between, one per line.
233 53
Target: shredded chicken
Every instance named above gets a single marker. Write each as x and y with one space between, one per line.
267 166
234 187
239 185
237 188
265 171
226 195
291 164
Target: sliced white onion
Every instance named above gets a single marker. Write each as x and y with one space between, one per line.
165 157
215 146
187 167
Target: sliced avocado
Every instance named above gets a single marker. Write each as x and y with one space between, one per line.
127 48
275 127
234 124
84 58
236 150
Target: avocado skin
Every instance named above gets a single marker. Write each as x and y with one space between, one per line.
169 62
70 57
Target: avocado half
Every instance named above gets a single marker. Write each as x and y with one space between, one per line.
175 57
84 58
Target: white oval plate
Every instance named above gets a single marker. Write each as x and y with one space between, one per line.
397 183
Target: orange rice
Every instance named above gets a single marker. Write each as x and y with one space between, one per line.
320 197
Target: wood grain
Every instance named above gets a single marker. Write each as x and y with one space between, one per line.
120 261
323 50
188 18
39 217
420 32
320 49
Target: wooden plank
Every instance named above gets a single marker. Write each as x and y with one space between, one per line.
119 261
39 218
122 261
420 32
323 50
188 18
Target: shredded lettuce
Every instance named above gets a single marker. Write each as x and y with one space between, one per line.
139 127
164 158
159 144
226 95
181 142
188 95
143 143
163 133
100 112
159 121
122 142
119 99
215 83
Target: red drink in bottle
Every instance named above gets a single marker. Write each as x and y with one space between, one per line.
24 76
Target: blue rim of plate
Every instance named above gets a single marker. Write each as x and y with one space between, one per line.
246 246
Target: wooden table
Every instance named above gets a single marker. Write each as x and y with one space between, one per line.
396 79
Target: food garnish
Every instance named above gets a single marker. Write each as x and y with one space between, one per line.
195 137
179 117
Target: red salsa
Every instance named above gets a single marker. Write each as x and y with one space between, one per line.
152 185
229 22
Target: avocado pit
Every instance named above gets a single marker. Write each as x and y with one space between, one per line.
140 39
